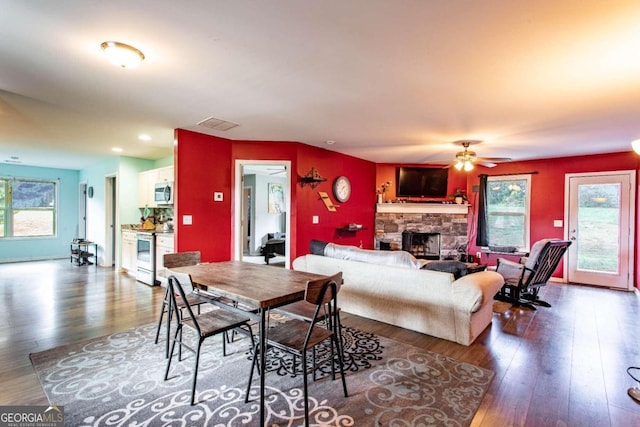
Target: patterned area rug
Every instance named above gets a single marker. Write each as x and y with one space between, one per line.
117 380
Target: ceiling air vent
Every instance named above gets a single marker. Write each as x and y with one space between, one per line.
217 124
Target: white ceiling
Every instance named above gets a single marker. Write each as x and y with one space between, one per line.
389 81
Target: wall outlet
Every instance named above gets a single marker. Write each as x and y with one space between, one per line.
478 255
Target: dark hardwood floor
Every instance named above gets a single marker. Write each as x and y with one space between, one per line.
559 366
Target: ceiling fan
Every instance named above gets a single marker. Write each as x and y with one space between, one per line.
277 170
466 159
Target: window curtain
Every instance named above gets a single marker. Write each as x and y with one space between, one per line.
482 239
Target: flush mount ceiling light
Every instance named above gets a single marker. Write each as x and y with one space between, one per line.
122 54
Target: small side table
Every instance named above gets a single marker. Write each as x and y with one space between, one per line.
81 252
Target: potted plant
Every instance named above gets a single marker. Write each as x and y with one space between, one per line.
381 190
460 196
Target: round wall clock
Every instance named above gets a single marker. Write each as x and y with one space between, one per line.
342 189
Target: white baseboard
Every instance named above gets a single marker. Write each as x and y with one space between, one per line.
48 258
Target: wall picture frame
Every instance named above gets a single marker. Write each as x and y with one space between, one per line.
276 198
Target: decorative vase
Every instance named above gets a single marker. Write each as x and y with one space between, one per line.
459 200
380 200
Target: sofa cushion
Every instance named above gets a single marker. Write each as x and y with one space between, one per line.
457 268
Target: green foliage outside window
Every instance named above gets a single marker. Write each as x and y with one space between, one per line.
27 208
507 211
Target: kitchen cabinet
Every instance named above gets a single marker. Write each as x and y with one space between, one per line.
147 181
128 255
164 174
164 245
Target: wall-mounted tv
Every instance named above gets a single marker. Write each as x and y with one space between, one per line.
421 182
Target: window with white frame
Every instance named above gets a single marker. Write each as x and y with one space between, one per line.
27 207
508 201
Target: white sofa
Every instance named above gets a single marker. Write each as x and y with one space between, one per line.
425 301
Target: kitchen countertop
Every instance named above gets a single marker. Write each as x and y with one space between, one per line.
145 230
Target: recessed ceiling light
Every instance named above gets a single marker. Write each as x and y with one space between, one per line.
122 54
144 137
330 142
117 149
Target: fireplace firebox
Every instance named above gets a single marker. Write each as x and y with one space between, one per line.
421 245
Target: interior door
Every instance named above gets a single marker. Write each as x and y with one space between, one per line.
601 227
240 225
82 211
246 221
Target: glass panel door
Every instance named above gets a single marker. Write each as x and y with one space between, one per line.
600 229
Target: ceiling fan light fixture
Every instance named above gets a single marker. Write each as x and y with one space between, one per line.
636 146
459 164
121 54
468 165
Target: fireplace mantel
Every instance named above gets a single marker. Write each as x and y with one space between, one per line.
445 208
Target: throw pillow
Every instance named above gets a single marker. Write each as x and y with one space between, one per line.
317 247
458 268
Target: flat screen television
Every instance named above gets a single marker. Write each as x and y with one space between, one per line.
421 182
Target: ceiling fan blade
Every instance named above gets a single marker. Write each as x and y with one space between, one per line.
495 159
491 162
486 164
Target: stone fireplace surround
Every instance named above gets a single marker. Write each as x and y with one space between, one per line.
450 220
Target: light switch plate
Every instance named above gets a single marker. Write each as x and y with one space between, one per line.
557 223
187 220
315 219
217 196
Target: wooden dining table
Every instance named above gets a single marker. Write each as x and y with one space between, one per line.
257 288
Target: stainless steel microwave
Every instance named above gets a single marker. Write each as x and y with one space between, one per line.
163 193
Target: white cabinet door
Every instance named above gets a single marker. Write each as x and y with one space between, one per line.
164 245
146 185
128 255
165 174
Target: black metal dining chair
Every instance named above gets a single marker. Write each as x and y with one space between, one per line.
297 336
304 310
205 325
179 259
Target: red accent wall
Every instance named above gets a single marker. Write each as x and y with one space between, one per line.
202 165
205 164
359 209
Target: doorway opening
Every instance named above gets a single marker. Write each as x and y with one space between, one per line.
262 209
109 253
81 233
